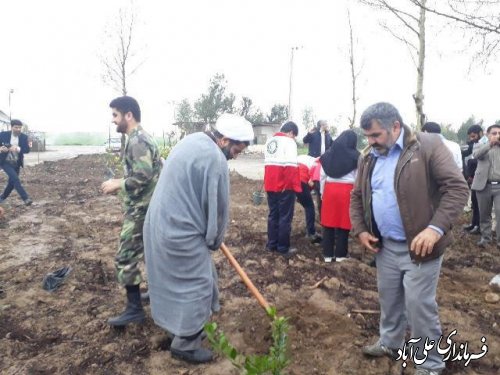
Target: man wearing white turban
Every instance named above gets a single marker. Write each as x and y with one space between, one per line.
186 220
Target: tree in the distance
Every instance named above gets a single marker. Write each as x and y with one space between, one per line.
122 61
215 102
279 113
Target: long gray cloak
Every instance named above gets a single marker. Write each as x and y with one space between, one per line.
186 219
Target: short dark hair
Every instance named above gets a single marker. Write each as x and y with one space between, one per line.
16 123
431 127
491 127
290 126
384 113
125 104
476 129
319 123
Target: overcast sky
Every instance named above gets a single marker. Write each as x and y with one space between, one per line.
50 58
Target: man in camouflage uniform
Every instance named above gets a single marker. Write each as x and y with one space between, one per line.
141 163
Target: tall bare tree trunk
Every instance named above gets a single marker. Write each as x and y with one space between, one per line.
352 120
419 95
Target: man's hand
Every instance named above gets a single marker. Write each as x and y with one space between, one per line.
13 149
369 241
112 185
310 183
424 242
4 149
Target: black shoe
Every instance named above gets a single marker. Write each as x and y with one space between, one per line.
268 249
468 227
200 355
288 254
28 202
475 230
134 313
315 239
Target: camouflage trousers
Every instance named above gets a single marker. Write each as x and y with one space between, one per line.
131 250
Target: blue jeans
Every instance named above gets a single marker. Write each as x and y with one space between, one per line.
279 221
14 181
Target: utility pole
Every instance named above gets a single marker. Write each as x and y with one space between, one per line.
291 82
11 91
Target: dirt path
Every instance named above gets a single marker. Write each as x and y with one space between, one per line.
65 332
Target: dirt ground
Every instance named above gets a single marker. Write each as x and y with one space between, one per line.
65 332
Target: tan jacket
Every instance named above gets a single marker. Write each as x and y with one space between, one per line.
430 190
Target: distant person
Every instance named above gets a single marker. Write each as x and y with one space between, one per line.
186 222
318 139
141 163
13 146
407 195
454 147
475 133
486 182
307 166
339 165
281 182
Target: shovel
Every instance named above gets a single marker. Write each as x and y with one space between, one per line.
245 278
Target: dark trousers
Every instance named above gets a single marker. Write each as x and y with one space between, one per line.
475 209
14 181
335 242
306 201
279 221
317 190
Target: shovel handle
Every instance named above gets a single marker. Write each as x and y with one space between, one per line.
244 277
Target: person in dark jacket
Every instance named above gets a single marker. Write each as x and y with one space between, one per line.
318 139
407 195
475 133
13 146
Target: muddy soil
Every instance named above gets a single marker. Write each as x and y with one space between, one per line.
65 332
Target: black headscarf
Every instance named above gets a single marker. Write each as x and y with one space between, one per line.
342 156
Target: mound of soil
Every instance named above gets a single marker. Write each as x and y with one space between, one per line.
65 332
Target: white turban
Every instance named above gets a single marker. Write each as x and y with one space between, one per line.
234 127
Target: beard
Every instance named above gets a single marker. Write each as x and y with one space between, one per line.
227 151
121 127
384 149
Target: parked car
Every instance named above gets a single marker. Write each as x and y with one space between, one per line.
113 144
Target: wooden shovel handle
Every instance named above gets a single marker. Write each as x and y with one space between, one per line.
244 277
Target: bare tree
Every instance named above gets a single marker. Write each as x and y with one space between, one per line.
354 73
414 21
478 19
120 60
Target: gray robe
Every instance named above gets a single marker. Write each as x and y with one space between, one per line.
186 219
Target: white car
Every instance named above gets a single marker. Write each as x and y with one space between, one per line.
113 144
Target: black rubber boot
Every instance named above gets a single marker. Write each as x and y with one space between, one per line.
134 313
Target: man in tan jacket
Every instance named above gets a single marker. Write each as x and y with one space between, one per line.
407 194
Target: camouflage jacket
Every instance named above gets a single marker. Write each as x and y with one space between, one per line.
142 165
